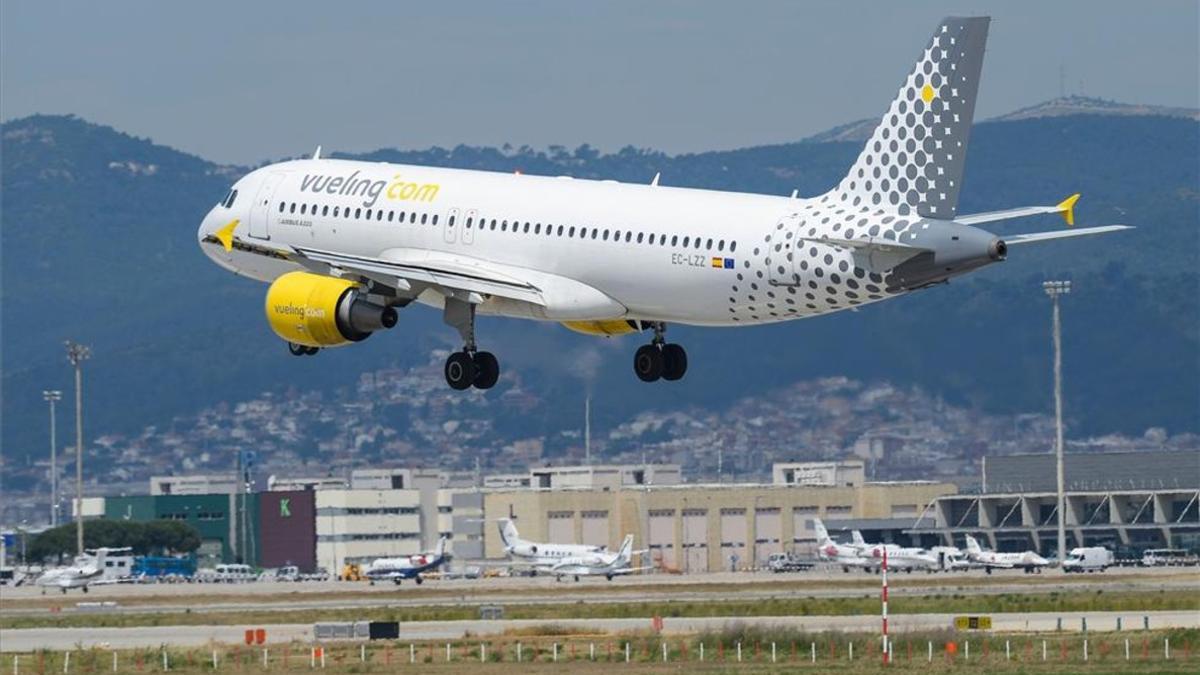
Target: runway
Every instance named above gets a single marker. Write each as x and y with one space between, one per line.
272 596
29 639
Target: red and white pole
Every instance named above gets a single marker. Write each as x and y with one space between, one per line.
885 594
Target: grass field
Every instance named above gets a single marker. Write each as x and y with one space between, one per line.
570 652
1053 601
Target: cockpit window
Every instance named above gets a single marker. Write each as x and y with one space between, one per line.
228 201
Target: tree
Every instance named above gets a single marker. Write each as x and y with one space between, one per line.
145 538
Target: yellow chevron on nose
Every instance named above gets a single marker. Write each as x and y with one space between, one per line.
225 234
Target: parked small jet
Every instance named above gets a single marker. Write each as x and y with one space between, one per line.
87 570
406 567
898 557
1027 560
839 554
538 555
602 563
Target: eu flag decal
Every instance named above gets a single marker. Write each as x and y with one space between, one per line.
729 263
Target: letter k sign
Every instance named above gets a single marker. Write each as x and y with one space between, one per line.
285 509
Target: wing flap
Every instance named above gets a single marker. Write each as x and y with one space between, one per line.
455 275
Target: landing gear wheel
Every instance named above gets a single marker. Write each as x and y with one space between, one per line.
460 370
487 370
297 350
419 581
674 362
311 351
648 363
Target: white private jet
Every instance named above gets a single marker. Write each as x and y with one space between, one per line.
345 244
406 567
838 554
898 557
540 556
87 570
601 563
1029 561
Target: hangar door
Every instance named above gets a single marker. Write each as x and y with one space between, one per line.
560 527
662 538
595 528
695 540
733 539
768 534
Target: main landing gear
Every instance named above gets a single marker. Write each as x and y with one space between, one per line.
660 359
468 367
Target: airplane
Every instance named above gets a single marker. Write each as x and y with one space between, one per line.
345 244
1029 561
542 556
899 557
87 570
602 563
838 554
406 567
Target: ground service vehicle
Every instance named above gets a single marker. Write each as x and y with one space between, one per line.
1088 559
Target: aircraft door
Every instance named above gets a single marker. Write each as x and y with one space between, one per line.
451 227
260 210
468 225
783 256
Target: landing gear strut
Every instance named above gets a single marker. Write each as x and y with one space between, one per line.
469 366
660 359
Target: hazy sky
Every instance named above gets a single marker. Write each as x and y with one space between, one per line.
248 81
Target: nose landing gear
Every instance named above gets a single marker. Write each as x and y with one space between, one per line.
660 359
302 350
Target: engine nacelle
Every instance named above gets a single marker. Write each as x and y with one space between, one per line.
319 311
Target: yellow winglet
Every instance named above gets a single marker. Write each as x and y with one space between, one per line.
1067 208
225 234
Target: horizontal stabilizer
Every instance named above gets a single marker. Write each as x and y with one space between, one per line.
873 253
1015 239
1066 207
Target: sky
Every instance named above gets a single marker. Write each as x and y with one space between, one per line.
245 82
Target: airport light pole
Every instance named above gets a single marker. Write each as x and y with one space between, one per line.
77 354
52 397
1055 289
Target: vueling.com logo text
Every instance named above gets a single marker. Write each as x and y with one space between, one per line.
370 190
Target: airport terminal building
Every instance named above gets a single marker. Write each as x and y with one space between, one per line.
1125 501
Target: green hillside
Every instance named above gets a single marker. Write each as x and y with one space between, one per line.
98 244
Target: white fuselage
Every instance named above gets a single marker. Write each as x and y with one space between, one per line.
597 249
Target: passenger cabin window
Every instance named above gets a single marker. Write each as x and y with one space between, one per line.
292 207
435 219
324 210
281 205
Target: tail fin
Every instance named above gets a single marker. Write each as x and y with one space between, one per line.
440 551
857 538
972 545
626 551
822 533
508 532
913 163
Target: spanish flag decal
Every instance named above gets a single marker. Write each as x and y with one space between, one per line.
718 263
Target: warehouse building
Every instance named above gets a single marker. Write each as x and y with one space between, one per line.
703 527
1126 501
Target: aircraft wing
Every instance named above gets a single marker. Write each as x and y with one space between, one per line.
402 268
1015 239
631 570
1065 207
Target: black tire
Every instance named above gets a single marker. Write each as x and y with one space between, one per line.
312 351
419 580
297 350
674 362
487 370
648 363
460 371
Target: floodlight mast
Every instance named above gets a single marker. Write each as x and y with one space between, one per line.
77 354
1055 289
53 396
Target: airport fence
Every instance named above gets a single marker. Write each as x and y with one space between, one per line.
1162 651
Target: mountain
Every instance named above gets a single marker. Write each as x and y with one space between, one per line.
97 234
